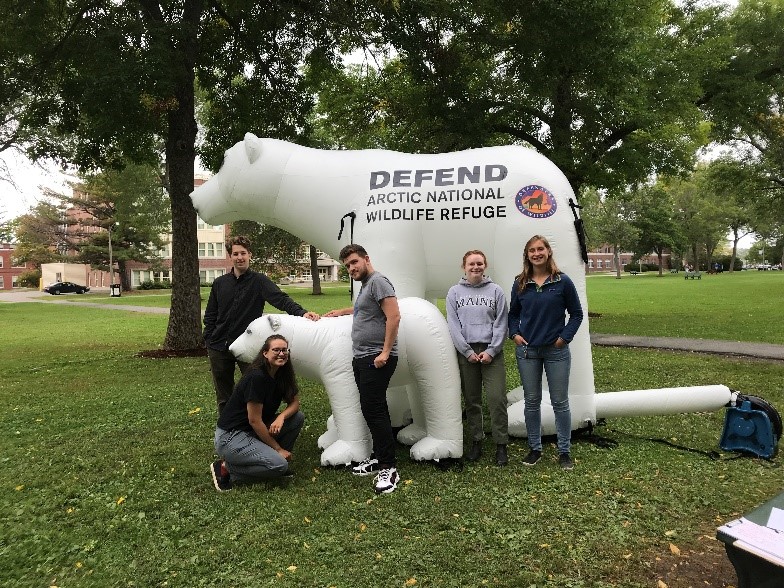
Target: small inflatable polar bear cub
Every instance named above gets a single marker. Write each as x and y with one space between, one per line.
427 366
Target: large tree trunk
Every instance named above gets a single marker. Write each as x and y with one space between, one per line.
184 330
314 273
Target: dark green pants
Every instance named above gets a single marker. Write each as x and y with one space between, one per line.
492 377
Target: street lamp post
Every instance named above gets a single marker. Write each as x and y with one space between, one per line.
111 261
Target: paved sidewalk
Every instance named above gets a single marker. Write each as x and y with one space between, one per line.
766 351
74 300
740 348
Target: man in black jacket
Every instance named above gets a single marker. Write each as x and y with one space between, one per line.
237 299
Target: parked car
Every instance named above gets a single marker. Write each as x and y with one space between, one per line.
65 288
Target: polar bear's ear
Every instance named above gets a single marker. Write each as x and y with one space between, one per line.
252 147
274 322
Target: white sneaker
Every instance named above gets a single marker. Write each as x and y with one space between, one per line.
386 481
365 467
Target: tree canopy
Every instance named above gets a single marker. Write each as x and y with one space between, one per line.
613 92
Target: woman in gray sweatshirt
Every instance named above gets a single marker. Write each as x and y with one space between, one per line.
476 311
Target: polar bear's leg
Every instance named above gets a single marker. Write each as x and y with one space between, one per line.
432 363
416 430
352 436
516 412
330 435
343 452
399 406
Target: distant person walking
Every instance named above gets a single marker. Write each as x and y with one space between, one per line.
476 312
541 298
374 342
236 300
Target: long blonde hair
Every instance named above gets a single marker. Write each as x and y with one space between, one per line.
528 270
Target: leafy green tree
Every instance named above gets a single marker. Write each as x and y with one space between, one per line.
610 91
28 44
40 235
653 217
124 76
131 202
7 231
608 220
744 98
700 215
737 186
275 252
131 206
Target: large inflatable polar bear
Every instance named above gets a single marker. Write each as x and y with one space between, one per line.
426 361
416 215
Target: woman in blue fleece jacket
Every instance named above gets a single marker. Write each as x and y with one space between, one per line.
541 298
476 313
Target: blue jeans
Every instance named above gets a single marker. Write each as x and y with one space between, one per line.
249 459
556 364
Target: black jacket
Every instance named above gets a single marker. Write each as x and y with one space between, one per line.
234 303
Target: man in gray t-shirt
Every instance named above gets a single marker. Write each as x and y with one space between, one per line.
370 323
374 343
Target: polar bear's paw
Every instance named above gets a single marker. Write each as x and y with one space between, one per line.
516 416
514 395
344 452
430 448
411 434
328 438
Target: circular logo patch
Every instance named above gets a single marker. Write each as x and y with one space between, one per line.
536 202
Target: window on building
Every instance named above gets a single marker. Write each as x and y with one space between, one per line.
209 276
14 281
2 261
165 251
200 224
590 264
2 282
599 264
211 250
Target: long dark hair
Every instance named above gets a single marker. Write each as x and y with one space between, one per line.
285 374
528 270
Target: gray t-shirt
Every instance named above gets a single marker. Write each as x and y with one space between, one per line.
370 322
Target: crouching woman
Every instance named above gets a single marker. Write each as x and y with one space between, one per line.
253 440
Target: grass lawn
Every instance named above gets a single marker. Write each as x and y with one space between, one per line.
741 306
105 467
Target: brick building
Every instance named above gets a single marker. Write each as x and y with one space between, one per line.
9 269
601 259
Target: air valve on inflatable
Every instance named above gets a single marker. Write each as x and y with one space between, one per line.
752 427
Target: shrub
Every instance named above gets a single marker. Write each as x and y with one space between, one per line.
29 279
153 285
635 267
724 260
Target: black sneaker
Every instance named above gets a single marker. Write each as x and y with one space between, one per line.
221 481
501 457
386 481
532 458
566 461
365 467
